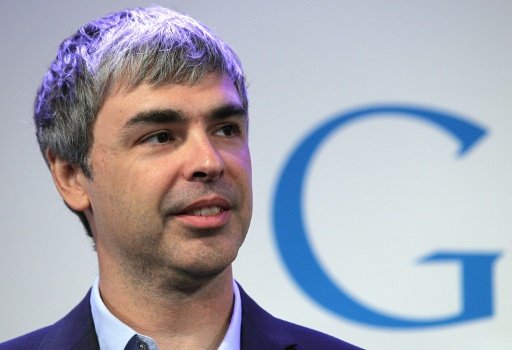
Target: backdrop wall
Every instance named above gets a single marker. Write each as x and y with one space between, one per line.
380 193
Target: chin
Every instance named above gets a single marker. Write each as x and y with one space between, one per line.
190 278
202 266
211 267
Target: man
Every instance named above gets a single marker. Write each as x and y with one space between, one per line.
143 121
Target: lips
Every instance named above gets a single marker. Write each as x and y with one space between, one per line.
207 211
210 213
206 206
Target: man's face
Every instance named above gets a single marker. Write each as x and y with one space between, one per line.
171 188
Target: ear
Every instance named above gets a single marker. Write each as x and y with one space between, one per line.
70 181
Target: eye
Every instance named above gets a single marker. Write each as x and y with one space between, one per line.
228 130
159 137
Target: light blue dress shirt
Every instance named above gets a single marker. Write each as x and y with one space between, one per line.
114 334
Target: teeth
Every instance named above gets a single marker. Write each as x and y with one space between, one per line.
208 211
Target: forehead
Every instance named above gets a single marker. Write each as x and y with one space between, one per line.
190 100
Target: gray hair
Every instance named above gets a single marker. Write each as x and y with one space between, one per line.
152 45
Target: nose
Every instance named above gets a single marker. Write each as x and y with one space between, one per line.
203 161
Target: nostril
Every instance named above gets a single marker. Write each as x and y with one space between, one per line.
200 174
207 176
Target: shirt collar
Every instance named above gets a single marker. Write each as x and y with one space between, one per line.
231 340
114 334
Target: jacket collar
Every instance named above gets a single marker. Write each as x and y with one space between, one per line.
261 330
74 332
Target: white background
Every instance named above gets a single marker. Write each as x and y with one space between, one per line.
381 194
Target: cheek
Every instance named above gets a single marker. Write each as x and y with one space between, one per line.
121 187
239 165
242 161
248 171
143 174
242 173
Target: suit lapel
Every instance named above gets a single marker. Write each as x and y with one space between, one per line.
73 332
260 330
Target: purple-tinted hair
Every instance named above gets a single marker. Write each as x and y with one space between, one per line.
143 45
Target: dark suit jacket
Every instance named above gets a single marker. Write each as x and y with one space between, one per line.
260 331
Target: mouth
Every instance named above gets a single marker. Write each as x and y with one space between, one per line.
206 213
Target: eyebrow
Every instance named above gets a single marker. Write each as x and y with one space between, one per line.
155 116
164 116
227 111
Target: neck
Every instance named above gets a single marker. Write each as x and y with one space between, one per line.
181 315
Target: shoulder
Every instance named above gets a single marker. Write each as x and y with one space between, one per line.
307 338
261 328
73 331
28 341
